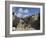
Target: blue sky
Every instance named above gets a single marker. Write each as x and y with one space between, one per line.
25 11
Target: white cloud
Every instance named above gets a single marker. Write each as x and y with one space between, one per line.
19 15
20 10
26 11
